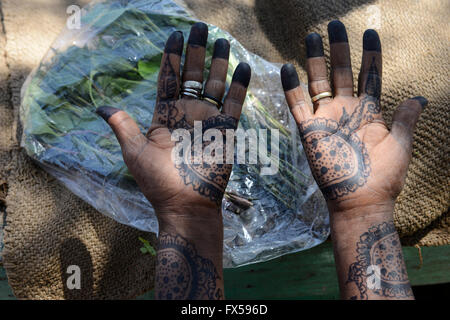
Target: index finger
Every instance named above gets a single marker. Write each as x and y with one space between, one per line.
294 94
169 73
168 78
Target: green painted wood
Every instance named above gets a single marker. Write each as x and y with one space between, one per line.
308 274
311 274
5 289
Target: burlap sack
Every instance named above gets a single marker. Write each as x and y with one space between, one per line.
415 35
48 228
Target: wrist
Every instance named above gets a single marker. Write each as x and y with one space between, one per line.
347 226
363 213
200 227
181 215
200 224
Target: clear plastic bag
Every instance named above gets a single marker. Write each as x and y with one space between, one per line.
114 60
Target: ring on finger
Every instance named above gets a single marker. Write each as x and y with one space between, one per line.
191 93
195 85
212 100
326 94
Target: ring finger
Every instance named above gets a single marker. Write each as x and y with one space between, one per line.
215 86
316 69
194 63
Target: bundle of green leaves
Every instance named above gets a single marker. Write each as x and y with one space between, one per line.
114 60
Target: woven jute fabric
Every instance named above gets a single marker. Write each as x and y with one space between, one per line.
415 35
48 228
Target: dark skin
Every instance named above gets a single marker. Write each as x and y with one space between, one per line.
359 164
186 197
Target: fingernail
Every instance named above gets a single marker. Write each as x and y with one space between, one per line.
289 77
199 34
106 112
175 43
221 49
337 32
371 41
242 74
423 101
314 45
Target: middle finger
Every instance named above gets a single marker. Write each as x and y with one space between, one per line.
316 69
194 63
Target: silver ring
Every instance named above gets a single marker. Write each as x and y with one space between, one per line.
193 91
192 85
188 94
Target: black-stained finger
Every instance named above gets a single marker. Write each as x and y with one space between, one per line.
238 90
294 94
337 32
314 45
341 68
195 53
215 86
221 49
128 134
169 73
316 68
175 43
289 77
242 74
423 101
405 119
371 41
106 112
370 76
198 35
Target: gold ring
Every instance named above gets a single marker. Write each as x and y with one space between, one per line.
217 104
321 96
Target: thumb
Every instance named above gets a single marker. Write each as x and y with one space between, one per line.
405 119
131 140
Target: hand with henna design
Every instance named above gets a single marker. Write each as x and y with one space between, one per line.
186 195
359 164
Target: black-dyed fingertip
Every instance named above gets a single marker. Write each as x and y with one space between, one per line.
371 41
423 101
221 49
314 45
242 74
337 32
198 35
289 77
175 43
106 112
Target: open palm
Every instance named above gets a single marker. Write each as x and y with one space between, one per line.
169 184
353 156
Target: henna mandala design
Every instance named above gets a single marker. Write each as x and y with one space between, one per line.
182 273
207 178
380 247
339 162
338 159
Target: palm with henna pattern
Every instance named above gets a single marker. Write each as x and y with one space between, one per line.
166 184
355 159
